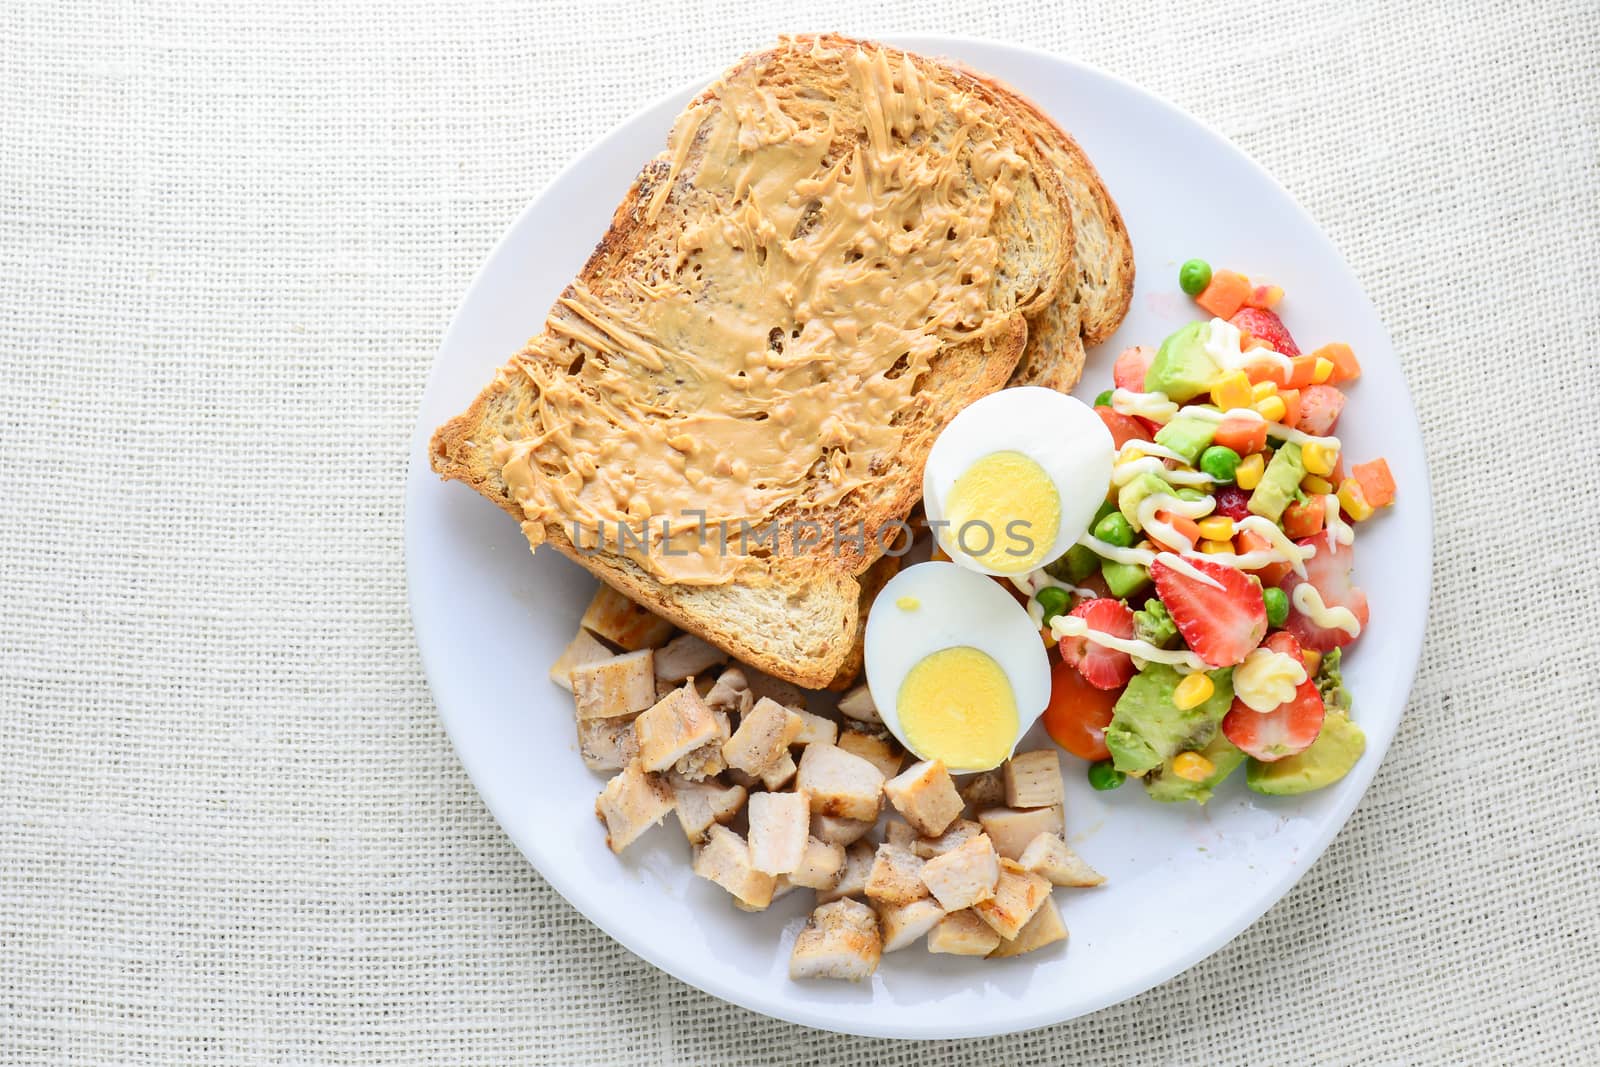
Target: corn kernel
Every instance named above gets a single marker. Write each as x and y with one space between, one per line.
1044 635
1352 500
1312 658
1128 455
1316 486
1212 548
1216 528
1321 370
1262 390
1273 409
1193 767
1318 458
1193 691
1248 474
1231 390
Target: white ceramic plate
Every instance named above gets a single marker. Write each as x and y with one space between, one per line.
1182 881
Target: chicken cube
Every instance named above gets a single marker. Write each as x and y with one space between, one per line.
926 796
676 725
962 933
606 744
730 692
981 791
838 831
779 774
686 656
814 729
963 876
881 752
857 704
630 804
580 650
821 865
763 737
1017 895
840 783
903 924
961 831
1011 829
858 860
622 622
1052 858
611 688
1033 780
778 824
840 940
899 833
700 804
896 876
724 858
1045 928
774 689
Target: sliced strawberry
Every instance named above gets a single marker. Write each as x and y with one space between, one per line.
1320 406
1124 428
1284 641
1266 327
1232 502
1221 626
1329 573
1103 668
1286 730
1130 368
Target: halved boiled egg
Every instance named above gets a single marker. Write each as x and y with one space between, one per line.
955 666
1015 479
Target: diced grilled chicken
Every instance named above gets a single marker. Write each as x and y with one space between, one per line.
962 933
778 825
1045 928
840 940
1011 829
686 656
613 687
1033 780
606 744
706 761
857 704
1017 895
729 692
622 622
881 752
779 774
781 887
899 833
774 689
814 729
630 804
903 924
580 650
676 725
763 737
961 831
963 876
839 831
896 876
1049 856
858 860
700 804
983 791
821 865
840 783
724 858
926 796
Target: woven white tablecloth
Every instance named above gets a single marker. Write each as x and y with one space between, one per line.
231 235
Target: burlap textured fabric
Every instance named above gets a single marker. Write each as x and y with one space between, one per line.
231 234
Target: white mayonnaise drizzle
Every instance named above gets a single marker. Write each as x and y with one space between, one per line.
1309 603
1072 626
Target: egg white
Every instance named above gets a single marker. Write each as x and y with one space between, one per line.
1061 434
953 607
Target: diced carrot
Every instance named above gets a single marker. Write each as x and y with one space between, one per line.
1303 520
1377 484
1265 297
1244 436
1124 428
1291 405
1338 469
1270 371
1185 526
1250 541
1225 295
1345 366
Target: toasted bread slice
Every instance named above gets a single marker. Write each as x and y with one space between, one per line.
775 155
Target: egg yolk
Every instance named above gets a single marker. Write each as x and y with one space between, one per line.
957 705
1004 512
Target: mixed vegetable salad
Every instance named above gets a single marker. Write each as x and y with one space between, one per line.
1201 620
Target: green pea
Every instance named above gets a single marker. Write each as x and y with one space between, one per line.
1115 529
1220 461
1103 400
1277 602
1103 776
1053 600
1194 276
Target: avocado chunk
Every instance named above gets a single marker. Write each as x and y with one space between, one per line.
1130 496
1280 482
1147 728
1330 683
1329 759
1187 435
1123 579
1167 787
1154 624
1182 370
